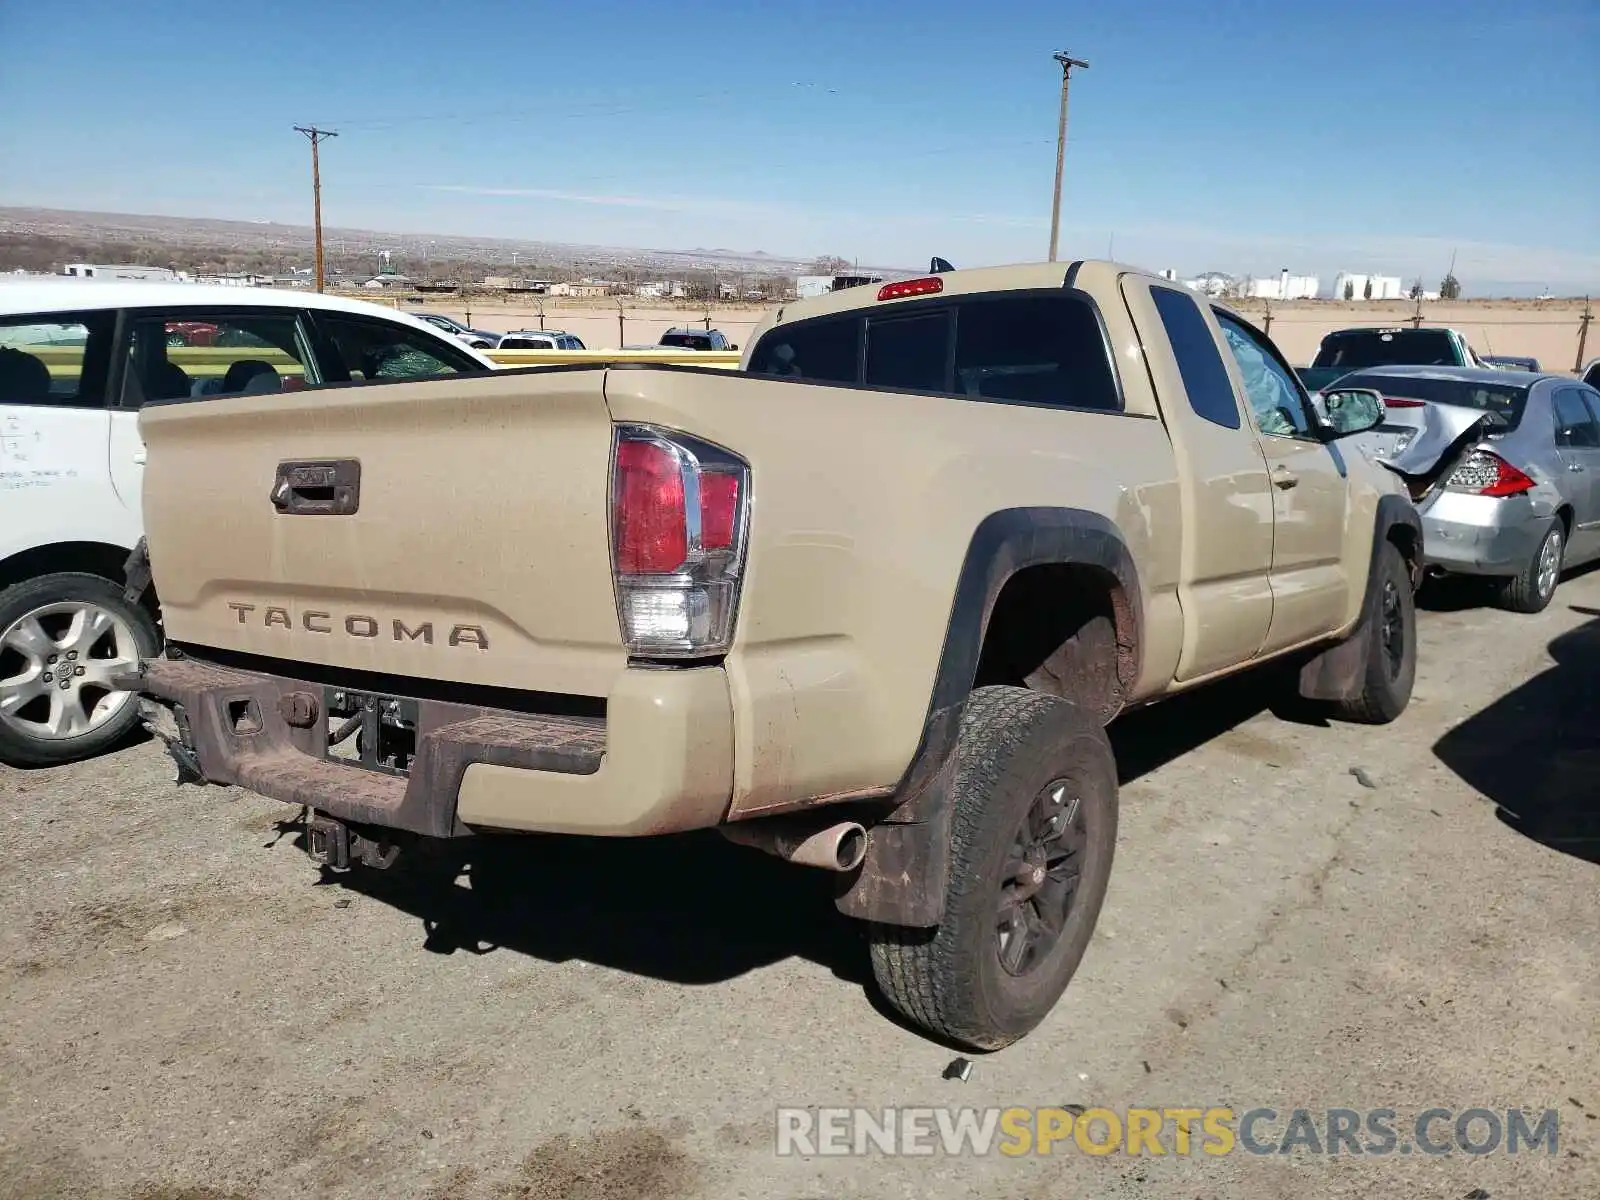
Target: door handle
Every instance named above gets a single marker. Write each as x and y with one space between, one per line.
139 457
323 488
1282 477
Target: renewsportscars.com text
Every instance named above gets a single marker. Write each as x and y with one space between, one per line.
1159 1131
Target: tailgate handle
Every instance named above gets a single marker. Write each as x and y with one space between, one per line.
322 488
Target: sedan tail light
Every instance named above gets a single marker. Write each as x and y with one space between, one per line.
1486 474
679 516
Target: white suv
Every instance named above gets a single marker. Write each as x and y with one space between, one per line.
78 359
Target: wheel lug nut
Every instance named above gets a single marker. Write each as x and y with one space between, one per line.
72 654
79 670
51 660
49 678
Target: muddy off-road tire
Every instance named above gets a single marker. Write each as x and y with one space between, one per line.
63 637
1033 830
1391 660
1533 589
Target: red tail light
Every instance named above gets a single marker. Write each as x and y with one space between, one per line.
931 286
677 580
649 514
1487 474
1402 402
719 510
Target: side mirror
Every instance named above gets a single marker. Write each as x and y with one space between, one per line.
1345 411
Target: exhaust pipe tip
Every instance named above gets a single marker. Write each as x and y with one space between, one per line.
849 846
839 846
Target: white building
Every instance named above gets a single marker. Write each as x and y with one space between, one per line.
1354 285
1211 283
660 289
235 279
121 271
1284 287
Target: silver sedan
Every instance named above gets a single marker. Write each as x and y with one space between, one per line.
1504 467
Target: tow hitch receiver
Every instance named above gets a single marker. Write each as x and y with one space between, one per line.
337 845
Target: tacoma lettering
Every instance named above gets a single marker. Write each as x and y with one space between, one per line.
360 625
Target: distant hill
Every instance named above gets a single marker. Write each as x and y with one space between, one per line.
205 243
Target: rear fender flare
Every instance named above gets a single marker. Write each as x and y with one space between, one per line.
902 881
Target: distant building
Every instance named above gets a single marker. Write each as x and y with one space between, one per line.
121 271
1354 285
1211 283
235 279
661 289
1284 287
583 288
806 286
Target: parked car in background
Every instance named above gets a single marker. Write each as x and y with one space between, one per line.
1515 495
1347 350
696 339
78 359
540 339
478 339
1509 362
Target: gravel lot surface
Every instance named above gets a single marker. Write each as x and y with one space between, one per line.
188 1009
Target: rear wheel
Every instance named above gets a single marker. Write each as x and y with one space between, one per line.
63 637
1391 658
1533 589
1032 835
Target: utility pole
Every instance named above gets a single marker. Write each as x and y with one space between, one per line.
315 136
1067 63
1583 333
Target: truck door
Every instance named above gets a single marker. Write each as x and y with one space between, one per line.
1310 583
1227 514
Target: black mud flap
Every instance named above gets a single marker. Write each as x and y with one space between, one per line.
903 879
1339 671
136 573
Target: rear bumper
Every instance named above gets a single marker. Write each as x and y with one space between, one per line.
659 761
1483 535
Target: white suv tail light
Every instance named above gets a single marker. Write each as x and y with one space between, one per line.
679 517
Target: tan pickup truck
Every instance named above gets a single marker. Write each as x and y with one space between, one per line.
867 603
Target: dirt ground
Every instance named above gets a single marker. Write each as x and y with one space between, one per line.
1545 330
189 1010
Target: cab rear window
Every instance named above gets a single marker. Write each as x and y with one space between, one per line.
1044 348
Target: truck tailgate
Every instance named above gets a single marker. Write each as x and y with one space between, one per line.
477 551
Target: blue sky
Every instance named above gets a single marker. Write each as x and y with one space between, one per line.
1241 137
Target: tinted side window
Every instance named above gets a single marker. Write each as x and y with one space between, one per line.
1034 349
56 359
826 349
909 352
372 350
1592 375
1575 424
1199 361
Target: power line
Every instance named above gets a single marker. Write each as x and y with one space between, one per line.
316 137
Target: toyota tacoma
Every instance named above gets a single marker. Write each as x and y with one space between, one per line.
867 603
